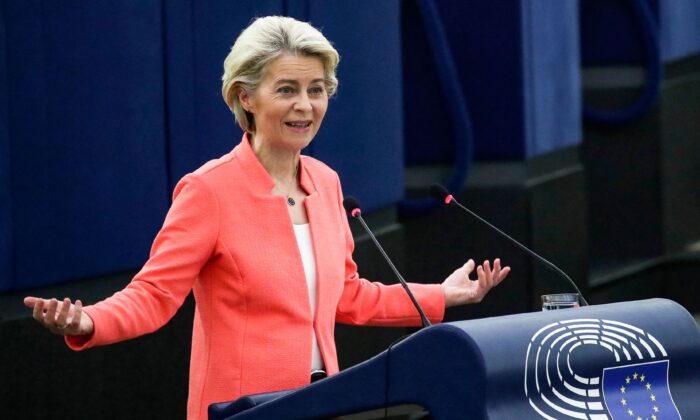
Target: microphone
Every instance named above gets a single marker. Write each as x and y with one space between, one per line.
441 194
352 206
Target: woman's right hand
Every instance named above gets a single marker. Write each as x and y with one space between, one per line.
62 318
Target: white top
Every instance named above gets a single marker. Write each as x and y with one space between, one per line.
303 235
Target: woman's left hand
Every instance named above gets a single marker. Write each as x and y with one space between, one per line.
460 289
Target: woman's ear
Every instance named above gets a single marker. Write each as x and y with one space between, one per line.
246 100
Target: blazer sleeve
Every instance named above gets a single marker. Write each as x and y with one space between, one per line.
181 248
372 303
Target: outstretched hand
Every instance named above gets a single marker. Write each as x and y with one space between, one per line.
460 289
62 318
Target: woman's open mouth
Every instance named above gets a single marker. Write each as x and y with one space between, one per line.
299 125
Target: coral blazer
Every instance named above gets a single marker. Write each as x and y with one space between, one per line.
229 240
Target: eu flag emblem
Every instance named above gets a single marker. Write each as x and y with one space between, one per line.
639 391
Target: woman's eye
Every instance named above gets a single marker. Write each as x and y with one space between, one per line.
317 90
285 90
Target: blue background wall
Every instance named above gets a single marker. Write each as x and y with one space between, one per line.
200 127
610 30
105 105
362 135
85 123
198 36
6 275
679 28
110 104
518 64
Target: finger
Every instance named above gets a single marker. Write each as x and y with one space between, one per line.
504 273
50 316
501 275
483 280
62 320
468 267
30 301
38 312
496 274
77 314
482 284
489 274
497 264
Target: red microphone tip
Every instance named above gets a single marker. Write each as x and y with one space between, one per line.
355 212
448 199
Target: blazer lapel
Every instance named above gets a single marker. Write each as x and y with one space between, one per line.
274 212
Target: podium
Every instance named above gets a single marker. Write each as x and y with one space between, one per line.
622 360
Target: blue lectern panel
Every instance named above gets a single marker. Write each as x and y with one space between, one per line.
442 370
598 362
556 362
85 92
367 382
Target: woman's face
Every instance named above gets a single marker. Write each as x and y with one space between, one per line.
290 102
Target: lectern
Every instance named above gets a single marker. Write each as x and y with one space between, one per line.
628 360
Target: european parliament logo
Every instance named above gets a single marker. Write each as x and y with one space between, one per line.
622 372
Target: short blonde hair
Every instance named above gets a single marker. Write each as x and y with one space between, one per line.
264 40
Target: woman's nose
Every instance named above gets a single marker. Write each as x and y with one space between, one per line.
303 103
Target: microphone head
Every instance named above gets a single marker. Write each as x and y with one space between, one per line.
352 206
441 194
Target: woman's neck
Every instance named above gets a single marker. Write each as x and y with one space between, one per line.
280 164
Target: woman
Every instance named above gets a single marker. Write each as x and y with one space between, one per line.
261 237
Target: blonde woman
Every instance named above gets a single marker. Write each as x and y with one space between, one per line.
261 237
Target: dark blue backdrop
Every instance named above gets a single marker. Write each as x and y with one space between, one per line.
610 30
519 68
105 105
85 137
